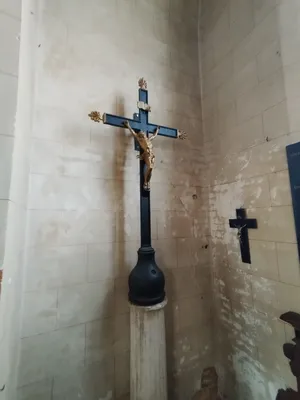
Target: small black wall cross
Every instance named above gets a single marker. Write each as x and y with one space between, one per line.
243 224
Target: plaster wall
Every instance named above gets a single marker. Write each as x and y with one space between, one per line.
83 205
249 51
10 22
16 97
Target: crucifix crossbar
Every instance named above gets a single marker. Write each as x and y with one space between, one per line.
140 122
243 224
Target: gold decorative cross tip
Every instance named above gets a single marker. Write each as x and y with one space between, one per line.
182 135
95 116
143 83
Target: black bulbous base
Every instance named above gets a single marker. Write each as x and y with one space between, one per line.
146 281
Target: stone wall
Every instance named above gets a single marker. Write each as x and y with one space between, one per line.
10 23
250 87
16 97
83 220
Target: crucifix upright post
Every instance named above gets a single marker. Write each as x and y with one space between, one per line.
146 280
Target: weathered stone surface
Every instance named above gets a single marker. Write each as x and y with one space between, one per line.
209 384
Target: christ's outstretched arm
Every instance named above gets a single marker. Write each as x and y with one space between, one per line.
127 125
155 133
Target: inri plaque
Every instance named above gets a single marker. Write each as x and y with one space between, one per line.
293 156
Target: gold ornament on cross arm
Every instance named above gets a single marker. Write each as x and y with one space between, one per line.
96 116
181 135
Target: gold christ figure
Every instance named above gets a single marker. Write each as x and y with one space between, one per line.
147 155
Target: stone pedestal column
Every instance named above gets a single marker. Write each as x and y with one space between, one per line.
148 352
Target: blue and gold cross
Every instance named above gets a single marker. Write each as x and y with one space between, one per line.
140 121
146 280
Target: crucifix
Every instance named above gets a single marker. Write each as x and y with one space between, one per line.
146 281
243 224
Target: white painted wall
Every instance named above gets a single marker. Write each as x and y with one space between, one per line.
82 231
10 22
83 225
16 120
250 87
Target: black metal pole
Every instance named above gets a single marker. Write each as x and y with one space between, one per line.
145 213
146 281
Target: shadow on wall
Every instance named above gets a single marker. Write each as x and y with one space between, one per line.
122 144
115 350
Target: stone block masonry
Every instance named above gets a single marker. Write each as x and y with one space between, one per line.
250 88
83 224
